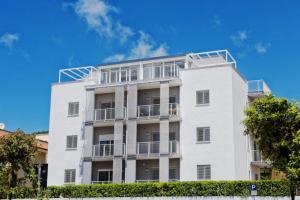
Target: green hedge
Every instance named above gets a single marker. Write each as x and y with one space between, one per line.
199 188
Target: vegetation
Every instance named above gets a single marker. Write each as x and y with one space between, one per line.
199 188
274 124
17 156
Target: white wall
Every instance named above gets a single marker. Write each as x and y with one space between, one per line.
241 153
219 153
60 126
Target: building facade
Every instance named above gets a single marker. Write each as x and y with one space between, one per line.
173 118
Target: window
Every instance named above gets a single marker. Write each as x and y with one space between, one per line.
203 134
105 176
172 174
203 172
70 175
134 74
73 109
154 174
172 136
172 99
71 142
202 97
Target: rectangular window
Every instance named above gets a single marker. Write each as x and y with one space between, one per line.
71 142
203 172
70 175
73 109
202 97
134 74
203 134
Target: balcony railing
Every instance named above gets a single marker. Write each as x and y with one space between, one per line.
147 148
106 150
258 86
256 156
145 181
103 150
173 109
104 114
174 147
107 114
148 110
101 182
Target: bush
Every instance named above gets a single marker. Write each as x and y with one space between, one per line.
19 192
197 188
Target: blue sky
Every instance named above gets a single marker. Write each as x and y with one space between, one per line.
37 38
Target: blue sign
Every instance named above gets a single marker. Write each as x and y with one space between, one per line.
253 187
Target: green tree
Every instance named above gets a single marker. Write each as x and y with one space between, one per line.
17 153
274 124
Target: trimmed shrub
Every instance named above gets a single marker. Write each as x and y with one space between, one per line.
197 188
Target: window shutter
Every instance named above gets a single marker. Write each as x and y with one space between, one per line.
200 135
203 172
70 175
172 174
207 134
202 97
71 142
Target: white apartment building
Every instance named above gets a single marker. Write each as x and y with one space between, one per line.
172 118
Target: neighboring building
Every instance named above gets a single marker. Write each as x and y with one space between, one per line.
41 156
172 118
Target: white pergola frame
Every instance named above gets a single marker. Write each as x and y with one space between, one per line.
77 73
197 57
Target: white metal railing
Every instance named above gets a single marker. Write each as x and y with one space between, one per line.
119 75
103 150
256 156
106 150
147 148
107 114
209 58
148 110
77 73
174 147
145 181
101 182
104 114
258 86
173 109
160 70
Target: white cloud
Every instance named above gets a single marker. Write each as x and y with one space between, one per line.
144 47
8 39
217 21
239 38
261 47
97 15
115 58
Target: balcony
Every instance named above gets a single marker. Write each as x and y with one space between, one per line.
105 150
148 111
174 148
106 114
147 149
257 159
174 109
146 72
257 88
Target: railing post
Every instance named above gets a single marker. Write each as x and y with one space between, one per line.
148 144
138 148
